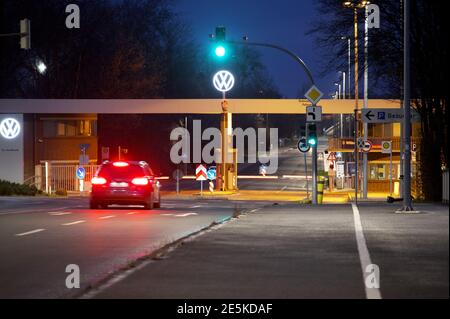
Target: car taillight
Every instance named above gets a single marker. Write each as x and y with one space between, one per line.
140 181
120 164
98 180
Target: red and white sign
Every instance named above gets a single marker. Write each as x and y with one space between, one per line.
367 146
200 173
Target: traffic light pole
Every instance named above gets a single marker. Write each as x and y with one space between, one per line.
314 175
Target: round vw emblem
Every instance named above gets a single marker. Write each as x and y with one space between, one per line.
223 81
9 128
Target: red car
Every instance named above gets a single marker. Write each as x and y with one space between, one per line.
125 183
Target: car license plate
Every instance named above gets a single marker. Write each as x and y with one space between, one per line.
121 184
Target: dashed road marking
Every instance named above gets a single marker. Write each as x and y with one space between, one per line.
185 215
106 217
73 223
132 213
363 251
59 213
196 206
30 232
166 214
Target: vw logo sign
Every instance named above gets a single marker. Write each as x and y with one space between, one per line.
9 128
223 81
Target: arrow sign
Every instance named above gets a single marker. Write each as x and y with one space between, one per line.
81 173
369 115
303 146
386 115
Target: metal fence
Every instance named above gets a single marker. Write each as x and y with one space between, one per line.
445 187
63 176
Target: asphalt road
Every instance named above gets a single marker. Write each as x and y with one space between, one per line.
293 251
41 236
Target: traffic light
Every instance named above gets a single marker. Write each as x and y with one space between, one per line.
312 134
25 34
220 49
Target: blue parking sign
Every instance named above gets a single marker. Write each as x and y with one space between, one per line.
81 173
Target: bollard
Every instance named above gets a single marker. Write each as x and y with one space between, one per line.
320 186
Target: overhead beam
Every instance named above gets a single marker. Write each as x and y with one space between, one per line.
181 106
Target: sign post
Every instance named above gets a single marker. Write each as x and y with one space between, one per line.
315 115
386 148
200 175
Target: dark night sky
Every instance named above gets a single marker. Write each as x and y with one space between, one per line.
282 22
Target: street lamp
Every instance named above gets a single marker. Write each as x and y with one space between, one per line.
355 5
41 67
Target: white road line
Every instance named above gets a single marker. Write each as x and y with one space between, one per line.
73 223
185 215
282 189
30 232
364 256
106 217
59 213
132 213
166 214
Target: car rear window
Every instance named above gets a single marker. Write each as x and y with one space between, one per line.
130 171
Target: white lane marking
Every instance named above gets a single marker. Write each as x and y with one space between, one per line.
166 214
185 215
59 213
28 211
106 217
73 223
132 213
196 206
364 256
30 232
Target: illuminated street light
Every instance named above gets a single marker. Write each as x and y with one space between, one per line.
41 67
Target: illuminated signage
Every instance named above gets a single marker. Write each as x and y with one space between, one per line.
223 81
9 128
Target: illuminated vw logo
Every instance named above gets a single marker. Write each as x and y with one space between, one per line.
9 128
223 81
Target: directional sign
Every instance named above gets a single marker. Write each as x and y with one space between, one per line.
386 115
386 147
313 114
200 173
81 173
211 173
314 95
303 145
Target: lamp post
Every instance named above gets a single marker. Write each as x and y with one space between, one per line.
355 5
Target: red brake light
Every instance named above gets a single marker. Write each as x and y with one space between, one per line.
120 164
98 180
141 181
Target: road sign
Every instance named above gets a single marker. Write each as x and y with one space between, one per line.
211 173
367 146
313 113
386 115
105 153
360 143
303 145
314 95
81 173
84 147
200 173
340 172
386 147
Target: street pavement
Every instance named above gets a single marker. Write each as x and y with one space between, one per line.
272 250
292 251
40 236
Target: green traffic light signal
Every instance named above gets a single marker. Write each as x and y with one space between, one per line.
312 135
220 51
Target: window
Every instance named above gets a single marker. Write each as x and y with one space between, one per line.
61 128
377 171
